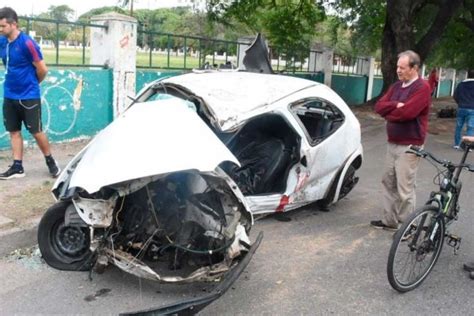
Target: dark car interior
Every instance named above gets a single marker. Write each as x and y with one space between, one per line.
266 146
319 118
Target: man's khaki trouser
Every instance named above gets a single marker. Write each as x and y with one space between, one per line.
398 184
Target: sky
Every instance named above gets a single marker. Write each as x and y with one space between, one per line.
29 7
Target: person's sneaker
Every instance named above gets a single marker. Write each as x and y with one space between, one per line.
12 172
53 167
380 225
456 147
469 267
471 275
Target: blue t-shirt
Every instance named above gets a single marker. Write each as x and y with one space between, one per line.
18 56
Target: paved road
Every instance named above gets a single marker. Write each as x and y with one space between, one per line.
318 263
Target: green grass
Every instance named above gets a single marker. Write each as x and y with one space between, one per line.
73 56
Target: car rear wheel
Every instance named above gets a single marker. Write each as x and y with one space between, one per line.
63 247
348 183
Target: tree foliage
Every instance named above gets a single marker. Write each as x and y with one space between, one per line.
47 30
457 43
60 12
400 25
85 17
289 25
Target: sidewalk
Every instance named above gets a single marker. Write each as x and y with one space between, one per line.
24 200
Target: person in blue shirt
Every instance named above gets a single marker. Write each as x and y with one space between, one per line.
24 70
464 97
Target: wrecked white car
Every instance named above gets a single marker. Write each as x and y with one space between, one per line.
147 195
296 140
167 191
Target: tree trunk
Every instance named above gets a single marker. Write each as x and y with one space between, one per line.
397 37
398 33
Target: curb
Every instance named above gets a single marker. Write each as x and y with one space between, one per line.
26 236
18 237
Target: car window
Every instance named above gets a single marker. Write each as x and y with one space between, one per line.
318 117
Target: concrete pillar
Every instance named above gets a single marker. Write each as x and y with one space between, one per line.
244 43
369 71
116 47
461 75
313 61
321 60
452 74
440 78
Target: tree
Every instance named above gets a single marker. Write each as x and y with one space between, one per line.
288 24
85 17
48 30
61 12
457 43
407 24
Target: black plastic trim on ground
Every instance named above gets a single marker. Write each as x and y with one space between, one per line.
193 306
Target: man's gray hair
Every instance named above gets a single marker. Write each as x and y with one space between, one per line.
413 58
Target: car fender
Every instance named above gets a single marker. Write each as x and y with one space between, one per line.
352 158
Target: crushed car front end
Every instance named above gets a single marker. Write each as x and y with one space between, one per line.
148 196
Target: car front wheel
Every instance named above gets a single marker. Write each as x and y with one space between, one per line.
63 247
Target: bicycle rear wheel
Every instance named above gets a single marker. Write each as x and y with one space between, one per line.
415 249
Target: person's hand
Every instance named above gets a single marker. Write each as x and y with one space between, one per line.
400 104
469 139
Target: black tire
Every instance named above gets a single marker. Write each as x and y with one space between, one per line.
346 187
63 247
410 261
349 182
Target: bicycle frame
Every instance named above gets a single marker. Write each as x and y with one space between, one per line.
446 199
418 243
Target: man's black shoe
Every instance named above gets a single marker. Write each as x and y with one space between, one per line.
471 275
53 167
380 225
12 172
469 267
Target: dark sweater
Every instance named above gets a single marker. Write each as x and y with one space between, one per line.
464 94
406 125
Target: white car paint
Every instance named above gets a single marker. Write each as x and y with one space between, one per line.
138 144
233 97
144 141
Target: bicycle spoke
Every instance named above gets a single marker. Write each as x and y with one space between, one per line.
413 254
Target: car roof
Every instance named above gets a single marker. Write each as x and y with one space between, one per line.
231 96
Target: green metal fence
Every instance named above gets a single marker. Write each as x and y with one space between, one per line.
67 43
171 51
63 43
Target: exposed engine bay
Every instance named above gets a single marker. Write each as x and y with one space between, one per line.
183 227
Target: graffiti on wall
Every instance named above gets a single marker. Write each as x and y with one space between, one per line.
75 104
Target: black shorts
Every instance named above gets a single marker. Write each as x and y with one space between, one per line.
17 111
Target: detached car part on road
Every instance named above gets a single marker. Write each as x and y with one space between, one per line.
167 190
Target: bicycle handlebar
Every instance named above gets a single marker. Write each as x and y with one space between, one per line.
420 152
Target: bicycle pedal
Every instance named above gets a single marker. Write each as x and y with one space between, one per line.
453 241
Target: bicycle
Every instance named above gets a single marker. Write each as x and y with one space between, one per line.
418 242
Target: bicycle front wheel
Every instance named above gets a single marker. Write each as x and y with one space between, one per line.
415 249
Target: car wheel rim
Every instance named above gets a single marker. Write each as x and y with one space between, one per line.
71 241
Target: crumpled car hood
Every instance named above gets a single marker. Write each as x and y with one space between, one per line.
150 138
